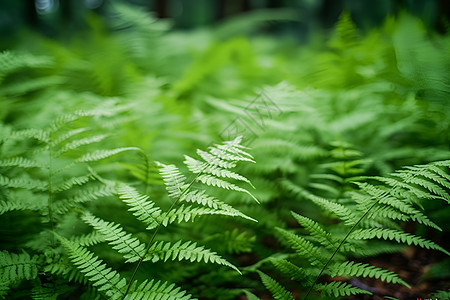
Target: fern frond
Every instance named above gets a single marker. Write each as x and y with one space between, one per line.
80 142
349 269
214 181
103 278
20 162
399 236
23 183
196 166
140 205
131 248
173 180
215 161
40 135
65 136
337 209
16 267
185 251
155 290
407 211
340 289
68 184
303 247
278 292
314 229
292 271
200 197
189 213
87 240
102 154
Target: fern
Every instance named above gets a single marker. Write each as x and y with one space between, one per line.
393 199
121 241
16 267
275 288
102 277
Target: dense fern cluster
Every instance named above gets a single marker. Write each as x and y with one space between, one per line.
103 197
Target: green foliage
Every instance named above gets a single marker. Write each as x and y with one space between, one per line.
345 152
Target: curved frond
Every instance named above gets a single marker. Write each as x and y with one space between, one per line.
140 205
278 292
102 277
185 251
131 248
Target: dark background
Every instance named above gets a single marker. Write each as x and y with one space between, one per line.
56 18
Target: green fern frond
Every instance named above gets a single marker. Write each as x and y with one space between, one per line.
173 180
20 162
292 271
349 269
16 267
340 289
73 181
102 277
189 213
399 236
23 183
131 248
200 197
155 290
303 247
278 292
80 142
87 240
60 139
140 205
196 166
38 134
214 181
185 251
337 209
406 210
102 154
314 229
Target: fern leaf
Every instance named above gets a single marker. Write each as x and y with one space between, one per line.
278 292
350 269
131 248
186 251
37 134
340 289
214 181
16 267
399 236
174 180
189 213
156 290
303 247
292 271
89 239
215 161
335 208
105 279
140 205
196 166
68 184
80 142
314 229
66 135
20 162
102 154
200 197
24 183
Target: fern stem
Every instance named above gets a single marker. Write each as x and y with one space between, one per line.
150 243
338 247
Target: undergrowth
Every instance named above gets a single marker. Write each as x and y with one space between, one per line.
344 157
